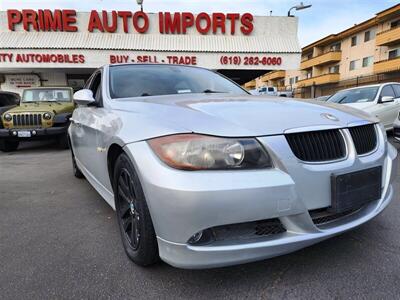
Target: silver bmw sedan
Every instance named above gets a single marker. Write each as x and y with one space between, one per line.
202 174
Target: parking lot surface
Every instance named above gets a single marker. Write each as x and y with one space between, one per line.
59 239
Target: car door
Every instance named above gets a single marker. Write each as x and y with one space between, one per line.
86 120
387 111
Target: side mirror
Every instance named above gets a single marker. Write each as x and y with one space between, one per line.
386 99
84 97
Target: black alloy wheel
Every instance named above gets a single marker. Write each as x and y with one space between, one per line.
133 216
127 211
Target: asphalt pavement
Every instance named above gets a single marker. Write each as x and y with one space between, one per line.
59 240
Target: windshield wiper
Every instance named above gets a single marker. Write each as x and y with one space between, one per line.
145 95
208 91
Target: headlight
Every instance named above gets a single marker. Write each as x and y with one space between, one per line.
200 152
7 117
46 116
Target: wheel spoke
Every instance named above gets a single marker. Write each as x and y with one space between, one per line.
126 223
127 210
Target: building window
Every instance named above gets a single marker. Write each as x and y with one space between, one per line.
353 65
309 75
334 69
367 61
394 53
354 41
293 80
369 35
395 24
336 47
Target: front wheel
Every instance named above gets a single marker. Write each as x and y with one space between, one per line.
8 146
136 227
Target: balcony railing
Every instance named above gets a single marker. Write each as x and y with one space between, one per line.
319 80
274 75
386 66
388 37
325 58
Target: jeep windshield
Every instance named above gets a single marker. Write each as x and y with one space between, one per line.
47 95
154 80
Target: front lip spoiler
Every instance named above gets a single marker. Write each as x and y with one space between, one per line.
200 257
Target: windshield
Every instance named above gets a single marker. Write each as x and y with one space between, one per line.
366 94
47 95
153 80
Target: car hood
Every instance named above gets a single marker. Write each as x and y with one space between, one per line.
367 106
55 107
239 115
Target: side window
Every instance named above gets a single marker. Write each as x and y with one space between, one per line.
387 91
396 88
95 87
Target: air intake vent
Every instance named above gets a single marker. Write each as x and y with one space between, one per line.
364 138
317 146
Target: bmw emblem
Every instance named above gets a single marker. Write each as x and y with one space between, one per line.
330 117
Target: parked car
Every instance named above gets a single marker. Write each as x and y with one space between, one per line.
8 100
323 98
202 174
43 113
273 91
380 100
254 92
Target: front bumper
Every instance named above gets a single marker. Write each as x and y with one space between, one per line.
36 133
184 203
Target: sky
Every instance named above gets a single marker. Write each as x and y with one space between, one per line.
323 18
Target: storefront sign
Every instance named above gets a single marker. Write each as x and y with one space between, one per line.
88 59
168 23
22 81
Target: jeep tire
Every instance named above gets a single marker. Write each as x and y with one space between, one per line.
63 142
8 146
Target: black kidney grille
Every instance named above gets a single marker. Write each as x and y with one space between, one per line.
317 146
364 138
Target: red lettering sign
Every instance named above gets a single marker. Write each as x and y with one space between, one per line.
168 23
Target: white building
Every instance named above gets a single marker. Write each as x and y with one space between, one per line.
63 47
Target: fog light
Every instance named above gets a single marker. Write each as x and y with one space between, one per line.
33 132
195 238
202 237
14 133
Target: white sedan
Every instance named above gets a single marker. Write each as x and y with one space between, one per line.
380 100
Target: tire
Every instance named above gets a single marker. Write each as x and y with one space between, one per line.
7 146
134 220
63 142
75 169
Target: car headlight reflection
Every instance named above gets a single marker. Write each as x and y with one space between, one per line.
7 117
200 152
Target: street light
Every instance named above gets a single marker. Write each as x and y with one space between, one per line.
140 2
301 6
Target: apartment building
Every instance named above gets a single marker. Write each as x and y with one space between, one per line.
366 53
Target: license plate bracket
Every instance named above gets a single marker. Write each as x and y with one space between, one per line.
353 190
24 134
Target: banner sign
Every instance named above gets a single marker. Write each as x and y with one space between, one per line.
65 20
